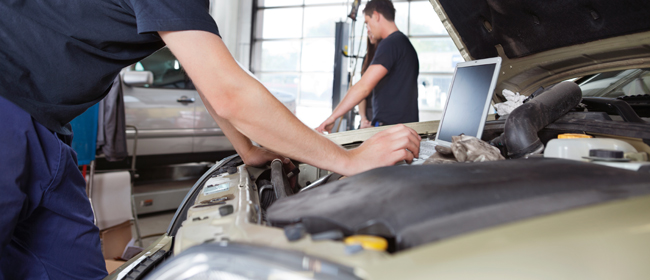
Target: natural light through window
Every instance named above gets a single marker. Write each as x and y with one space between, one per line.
294 45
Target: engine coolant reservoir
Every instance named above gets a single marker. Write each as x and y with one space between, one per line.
578 148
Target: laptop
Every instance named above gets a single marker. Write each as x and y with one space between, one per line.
468 101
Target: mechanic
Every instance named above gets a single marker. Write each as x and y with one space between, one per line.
58 58
392 74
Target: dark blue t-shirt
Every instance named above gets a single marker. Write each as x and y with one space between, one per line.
395 98
59 57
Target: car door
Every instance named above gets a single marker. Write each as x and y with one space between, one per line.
162 111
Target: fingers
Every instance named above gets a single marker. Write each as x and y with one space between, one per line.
325 127
412 148
365 124
404 129
403 137
329 128
406 155
288 164
320 129
291 170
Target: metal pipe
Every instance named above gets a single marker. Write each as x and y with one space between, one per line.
89 190
133 176
135 147
316 183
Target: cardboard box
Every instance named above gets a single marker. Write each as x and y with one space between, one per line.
115 239
112 265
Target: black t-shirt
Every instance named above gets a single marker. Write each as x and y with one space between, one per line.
395 98
59 57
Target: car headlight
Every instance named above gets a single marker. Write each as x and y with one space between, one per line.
238 261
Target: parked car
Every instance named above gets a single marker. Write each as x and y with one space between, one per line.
162 104
535 215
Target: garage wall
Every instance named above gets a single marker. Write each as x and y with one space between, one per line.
234 18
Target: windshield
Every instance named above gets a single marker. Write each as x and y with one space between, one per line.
617 83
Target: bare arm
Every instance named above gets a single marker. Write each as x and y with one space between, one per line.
365 122
356 94
245 109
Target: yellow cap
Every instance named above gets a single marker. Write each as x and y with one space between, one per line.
368 242
573 136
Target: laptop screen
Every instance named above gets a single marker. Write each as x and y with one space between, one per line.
468 95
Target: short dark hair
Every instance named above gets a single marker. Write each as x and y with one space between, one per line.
384 7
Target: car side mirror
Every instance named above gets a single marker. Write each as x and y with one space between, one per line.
137 78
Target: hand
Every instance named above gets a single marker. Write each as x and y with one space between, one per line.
327 125
258 157
365 123
385 148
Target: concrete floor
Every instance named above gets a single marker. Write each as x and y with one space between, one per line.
153 226
165 187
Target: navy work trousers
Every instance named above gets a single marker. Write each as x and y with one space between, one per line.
46 223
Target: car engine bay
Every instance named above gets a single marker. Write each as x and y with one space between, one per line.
411 205
377 215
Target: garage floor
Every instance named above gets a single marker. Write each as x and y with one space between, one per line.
158 191
153 226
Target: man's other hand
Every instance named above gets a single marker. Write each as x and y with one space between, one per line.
365 123
327 125
385 148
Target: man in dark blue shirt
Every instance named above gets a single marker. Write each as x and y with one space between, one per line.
391 77
59 57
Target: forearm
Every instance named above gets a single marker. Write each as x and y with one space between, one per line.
269 123
355 95
232 95
362 109
359 91
239 141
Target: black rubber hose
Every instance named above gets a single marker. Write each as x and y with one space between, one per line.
279 180
621 107
521 127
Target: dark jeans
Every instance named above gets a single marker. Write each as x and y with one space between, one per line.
46 223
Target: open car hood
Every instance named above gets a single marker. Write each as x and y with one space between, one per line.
542 42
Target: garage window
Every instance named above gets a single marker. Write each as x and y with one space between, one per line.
293 51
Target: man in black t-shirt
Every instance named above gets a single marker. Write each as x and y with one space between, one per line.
59 57
391 77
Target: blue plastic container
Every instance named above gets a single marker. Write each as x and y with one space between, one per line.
84 141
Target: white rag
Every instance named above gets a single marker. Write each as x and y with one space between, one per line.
514 100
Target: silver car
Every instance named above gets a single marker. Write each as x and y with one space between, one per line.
163 106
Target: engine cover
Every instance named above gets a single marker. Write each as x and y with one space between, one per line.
413 205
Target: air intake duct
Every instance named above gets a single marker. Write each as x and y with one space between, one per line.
521 127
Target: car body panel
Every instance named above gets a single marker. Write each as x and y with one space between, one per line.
244 224
161 246
162 122
526 74
610 241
